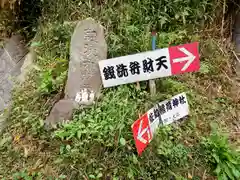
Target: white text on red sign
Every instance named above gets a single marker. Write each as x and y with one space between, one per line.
163 113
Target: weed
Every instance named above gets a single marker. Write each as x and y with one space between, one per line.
26 176
53 79
173 153
221 156
46 85
98 143
170 149
103 132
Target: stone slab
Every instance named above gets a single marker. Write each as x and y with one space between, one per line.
16 48
88 46
11 60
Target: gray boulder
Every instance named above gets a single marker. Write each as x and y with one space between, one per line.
12 57
11 61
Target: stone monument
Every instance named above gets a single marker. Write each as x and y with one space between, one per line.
88 46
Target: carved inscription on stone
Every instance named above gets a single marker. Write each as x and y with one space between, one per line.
90 51
88 46
85 96
90 35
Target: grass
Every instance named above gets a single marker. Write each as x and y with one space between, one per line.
225 160
98 143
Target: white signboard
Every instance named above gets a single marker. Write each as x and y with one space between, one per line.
150 65
168 111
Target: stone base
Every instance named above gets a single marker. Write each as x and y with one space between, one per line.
61 112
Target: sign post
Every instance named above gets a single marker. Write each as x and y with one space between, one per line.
150 65
152 84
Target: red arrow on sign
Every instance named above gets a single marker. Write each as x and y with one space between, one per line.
141 133
184 58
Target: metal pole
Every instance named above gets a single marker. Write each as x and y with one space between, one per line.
152 84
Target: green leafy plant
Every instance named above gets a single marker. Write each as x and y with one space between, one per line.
170 150
173 154
223 158
26 176
52 79
98 143
46 85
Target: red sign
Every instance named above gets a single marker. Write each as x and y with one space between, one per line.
184 58
141 133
